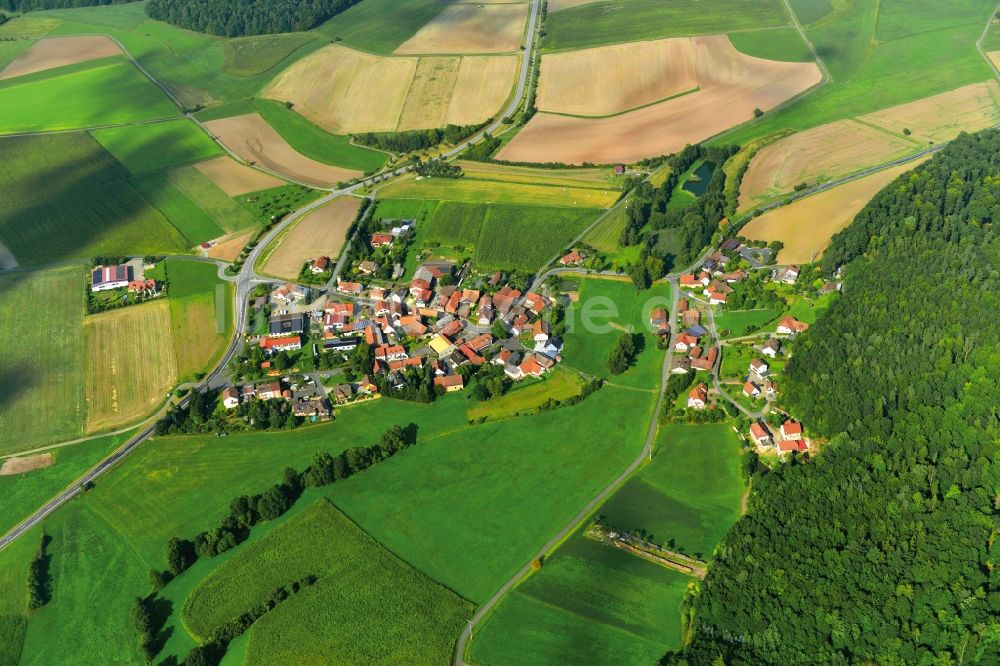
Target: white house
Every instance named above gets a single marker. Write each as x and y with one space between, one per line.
758 367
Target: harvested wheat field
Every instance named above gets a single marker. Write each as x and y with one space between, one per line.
333 87
472 28
807 225
130 363
13 466
255 141
234 178
816 155
731 85
321 233
629 76
228 247
52 52
941 117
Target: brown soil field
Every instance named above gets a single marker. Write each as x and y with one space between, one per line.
255 141
731 86
53 52
234 178
332 88
130 363
611 79
941 117
807 225
559 5
817 155
229 247
321 233
13 466
472 28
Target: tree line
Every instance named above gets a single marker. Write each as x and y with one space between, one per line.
36 5
882 549
411 140
237 18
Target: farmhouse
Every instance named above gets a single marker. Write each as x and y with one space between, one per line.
571 259
450 383
105 278
706 362
684 342
287 324
698 397
791 326
340 344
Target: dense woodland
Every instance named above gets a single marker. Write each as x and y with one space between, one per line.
881 549
236 18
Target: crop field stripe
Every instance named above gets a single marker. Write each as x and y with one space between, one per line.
150 147
195 224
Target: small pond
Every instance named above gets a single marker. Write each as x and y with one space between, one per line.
698 182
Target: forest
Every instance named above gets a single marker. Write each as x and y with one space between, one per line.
237 18
881 548
36 5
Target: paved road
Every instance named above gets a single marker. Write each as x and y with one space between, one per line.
646 454
247 279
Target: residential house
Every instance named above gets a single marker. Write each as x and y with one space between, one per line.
441 345
290 293
231 397
771 390
791 326
680 366
751 390
716 298
268 391
571 259
105 278
486 311
314 407
541 330
758 367
707 361
771 348
334 322
320 265
353 288
684 342
287 343
791 431
450 383
760 435
691 317
381 239
367 267
787 275
682 306
342 392
390 353
137 286
282 325
340 344
659 319
698 397
532 367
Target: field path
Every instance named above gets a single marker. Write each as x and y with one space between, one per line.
979 42
827 78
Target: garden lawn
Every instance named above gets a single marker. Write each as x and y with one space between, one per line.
526 397
41 369
316 143
23 493
359 581
589 604
201 316
690 495
380 26
100 92
144 148
614 21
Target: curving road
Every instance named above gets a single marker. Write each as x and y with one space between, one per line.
248 278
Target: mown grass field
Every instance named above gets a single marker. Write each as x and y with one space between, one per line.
65 197
358 580
614 21
590 604
100 92
690 494
380 26
145 148
526 398
131 365
743 322
880 55
201 317
317 143
603 311
42 367
23 493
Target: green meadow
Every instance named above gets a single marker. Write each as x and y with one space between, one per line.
380 26
357 580
880 55
783 44
743 322
100 92
614 21
145 148
201 316
593 603
316 143
90 209
39 369
195 224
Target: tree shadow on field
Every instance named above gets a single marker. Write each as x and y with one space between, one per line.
16 380
160 609
65 198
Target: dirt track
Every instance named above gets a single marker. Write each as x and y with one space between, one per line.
732 85
13 466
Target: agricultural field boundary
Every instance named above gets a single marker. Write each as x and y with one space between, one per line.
623 112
